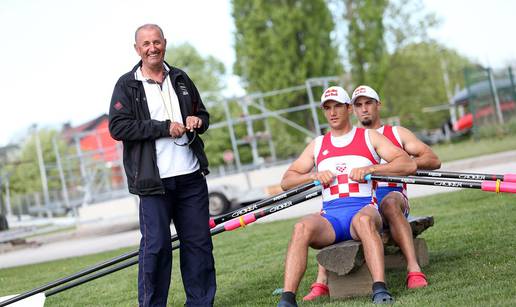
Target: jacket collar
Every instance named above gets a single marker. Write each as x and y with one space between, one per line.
173 73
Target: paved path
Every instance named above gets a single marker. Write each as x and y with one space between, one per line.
498 163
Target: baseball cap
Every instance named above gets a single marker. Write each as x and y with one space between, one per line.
335 93
364 90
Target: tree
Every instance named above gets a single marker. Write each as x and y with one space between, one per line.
378 28
279 44
366 43
416 80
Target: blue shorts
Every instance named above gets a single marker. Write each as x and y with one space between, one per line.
381 192
340 213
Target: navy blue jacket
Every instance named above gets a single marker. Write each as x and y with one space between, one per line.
130 122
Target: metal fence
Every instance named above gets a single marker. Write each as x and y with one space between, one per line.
490 97
95 174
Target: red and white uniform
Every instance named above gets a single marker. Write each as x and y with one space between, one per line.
340 155
392 134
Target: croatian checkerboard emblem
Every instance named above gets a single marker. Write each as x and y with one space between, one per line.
341 168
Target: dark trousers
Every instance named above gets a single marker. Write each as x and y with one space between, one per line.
186 203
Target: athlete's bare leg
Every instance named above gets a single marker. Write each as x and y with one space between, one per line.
392 208
365 227
311 231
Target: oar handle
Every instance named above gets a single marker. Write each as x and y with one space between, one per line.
240 222
509 177
252 217
499 186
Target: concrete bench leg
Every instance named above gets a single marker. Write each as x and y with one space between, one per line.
358 282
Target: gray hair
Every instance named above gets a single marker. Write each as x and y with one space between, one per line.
148 26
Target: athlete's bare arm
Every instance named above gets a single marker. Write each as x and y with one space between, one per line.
422 154
300 171
399 163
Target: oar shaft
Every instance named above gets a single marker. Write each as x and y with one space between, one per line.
428 181
252 217
213 223
263 203
467 176
230 225
61 281
488 186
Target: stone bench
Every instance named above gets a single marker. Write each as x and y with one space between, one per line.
348 274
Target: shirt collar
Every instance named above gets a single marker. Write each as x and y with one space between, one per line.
138 75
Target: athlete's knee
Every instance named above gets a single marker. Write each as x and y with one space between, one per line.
365 223
391 206
302 231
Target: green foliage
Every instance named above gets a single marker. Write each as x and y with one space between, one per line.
280 44
208 73
471 263
416 80
366 44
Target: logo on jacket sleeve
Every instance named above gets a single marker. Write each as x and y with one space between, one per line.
118 105
182 86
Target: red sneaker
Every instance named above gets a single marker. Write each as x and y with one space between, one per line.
416 280
316 290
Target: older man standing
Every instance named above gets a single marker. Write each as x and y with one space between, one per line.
158 114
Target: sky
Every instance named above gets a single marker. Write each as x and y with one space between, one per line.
60 59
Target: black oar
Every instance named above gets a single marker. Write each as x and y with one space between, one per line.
488 186
468 176
113 261
230 225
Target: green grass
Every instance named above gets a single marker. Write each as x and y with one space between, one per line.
473 148
472 262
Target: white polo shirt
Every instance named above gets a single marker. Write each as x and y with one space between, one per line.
173 160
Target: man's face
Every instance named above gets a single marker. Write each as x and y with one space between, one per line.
337 114
366 110
150 46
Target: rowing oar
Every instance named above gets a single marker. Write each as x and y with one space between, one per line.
228 226
488 186
469 176
113 261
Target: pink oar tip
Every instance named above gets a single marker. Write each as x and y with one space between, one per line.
212 223
505 187
239 222
509 177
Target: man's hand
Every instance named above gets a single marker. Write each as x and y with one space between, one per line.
358 174
193 122
176 129
324 177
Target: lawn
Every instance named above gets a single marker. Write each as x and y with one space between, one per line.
473 148
472 262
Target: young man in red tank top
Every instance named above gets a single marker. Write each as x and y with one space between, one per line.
392 198
342 158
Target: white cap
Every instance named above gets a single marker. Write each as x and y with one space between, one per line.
364 90
335 93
